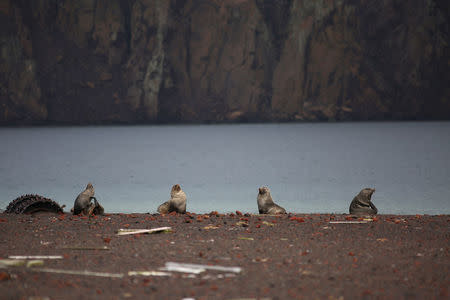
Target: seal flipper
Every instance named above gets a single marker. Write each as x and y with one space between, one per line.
276 209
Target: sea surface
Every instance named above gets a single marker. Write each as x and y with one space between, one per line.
309 167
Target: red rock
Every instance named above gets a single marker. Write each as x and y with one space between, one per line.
298 219
367 293
444 292
4 276
238 213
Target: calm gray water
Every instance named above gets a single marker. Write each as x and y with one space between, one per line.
308 167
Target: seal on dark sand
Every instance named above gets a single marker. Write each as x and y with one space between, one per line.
266 204
83 203
362 204
177 202
98 209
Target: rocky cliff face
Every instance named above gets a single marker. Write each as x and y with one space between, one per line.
129 61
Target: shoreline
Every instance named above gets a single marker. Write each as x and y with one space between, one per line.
293 256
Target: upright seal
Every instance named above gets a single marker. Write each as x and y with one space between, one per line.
362 204
177 202
266 204
83 203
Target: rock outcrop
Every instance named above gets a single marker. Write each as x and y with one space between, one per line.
145 61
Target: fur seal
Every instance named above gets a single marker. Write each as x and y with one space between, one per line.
266 204
362 203
177 202
83 202
98 209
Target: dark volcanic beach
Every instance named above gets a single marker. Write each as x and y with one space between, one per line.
281 257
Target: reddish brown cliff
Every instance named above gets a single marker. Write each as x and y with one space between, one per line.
134 61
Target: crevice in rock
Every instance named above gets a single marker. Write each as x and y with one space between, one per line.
276 16
125 7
